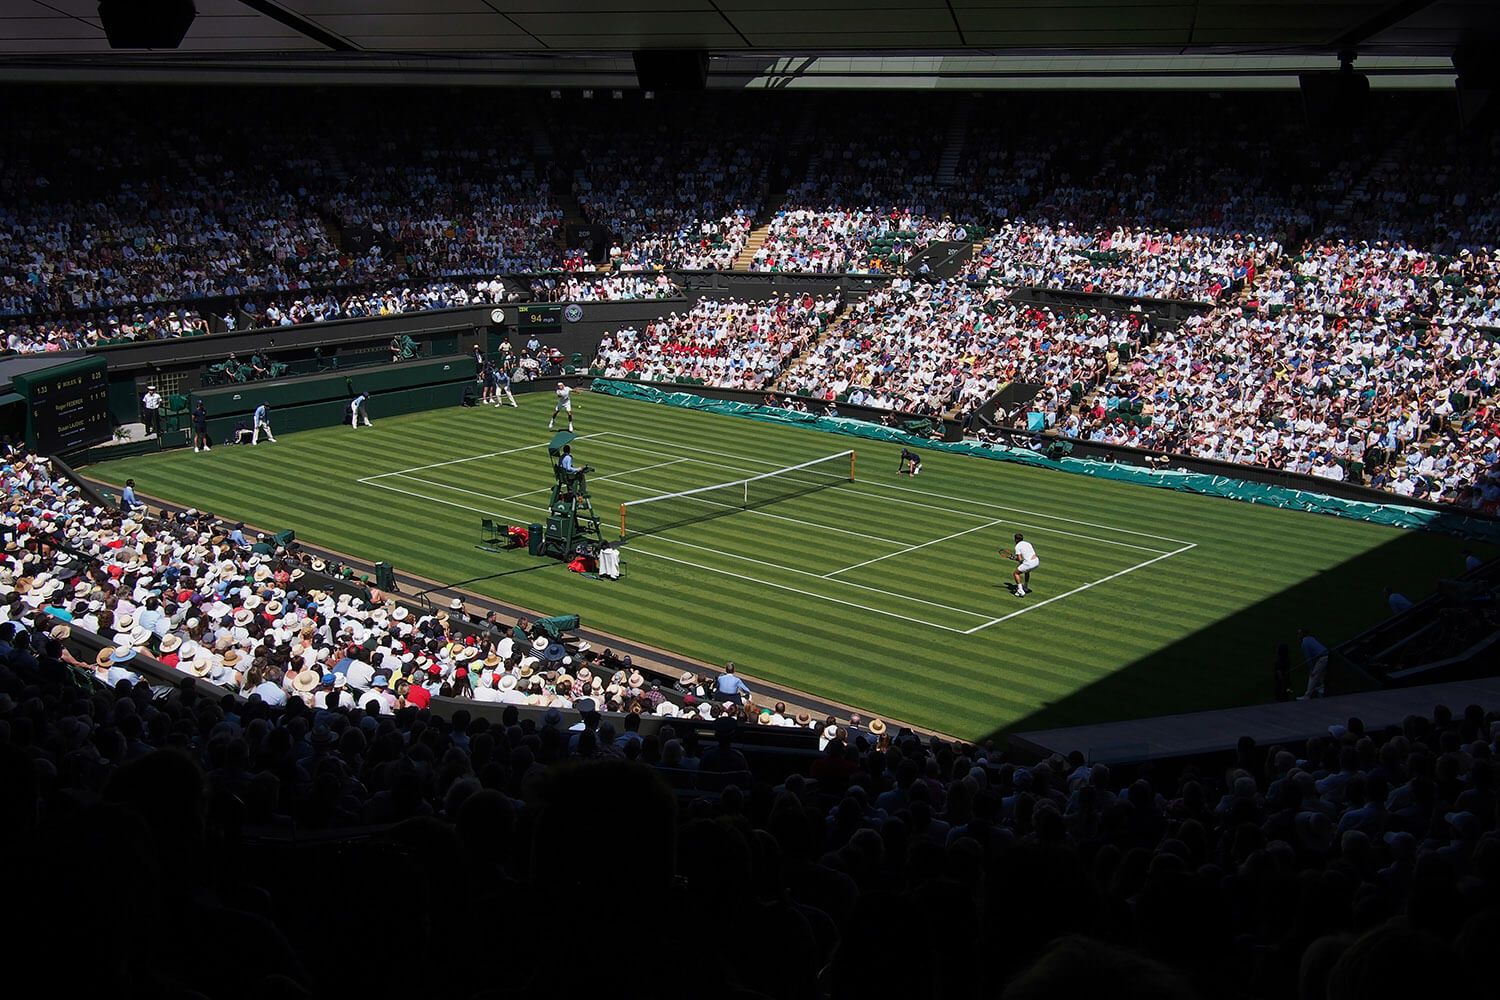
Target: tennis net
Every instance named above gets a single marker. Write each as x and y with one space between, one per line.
671 510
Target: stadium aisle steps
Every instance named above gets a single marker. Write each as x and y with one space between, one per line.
839 316
752 246
953 143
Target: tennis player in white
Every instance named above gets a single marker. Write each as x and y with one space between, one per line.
1026 561
564 405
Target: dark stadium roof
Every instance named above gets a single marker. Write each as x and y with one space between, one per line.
34 27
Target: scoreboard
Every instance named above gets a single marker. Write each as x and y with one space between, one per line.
67 407
540 319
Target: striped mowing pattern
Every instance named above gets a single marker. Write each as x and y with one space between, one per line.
886 593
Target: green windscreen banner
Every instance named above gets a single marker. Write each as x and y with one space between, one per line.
1395 515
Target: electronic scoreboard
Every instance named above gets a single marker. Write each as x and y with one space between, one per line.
67 406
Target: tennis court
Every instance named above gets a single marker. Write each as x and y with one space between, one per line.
885 593
798 537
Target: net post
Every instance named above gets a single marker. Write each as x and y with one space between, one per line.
622 522
852 456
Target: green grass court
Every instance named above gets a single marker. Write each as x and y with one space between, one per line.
886 593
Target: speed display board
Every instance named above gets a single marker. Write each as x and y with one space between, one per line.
67 407
540 319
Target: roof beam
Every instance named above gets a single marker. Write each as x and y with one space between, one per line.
301 25
1376 23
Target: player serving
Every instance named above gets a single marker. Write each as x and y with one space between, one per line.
1025 559
911 463
564 405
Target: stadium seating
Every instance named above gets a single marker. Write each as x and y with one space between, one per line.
1308 869
1352 277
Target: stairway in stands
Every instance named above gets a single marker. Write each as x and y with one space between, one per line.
953 142
1367 185
756 240
840 315
793 167
561 173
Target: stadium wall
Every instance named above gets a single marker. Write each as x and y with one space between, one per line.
181 364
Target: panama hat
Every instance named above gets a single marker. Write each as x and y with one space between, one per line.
102 657
170 643
877 727
306 681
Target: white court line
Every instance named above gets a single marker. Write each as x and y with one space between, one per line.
929 493
471 458
789 569
816 576
913 548
517 496
1019 524
796 590
776 517
926 506
1078 590
424 496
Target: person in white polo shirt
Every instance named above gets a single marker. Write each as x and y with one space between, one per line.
1026 561
564 405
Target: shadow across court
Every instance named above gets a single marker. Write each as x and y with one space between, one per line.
1229 663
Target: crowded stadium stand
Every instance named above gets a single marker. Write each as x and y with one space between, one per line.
1202 299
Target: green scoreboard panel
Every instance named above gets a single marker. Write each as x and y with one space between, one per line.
67 407
540 319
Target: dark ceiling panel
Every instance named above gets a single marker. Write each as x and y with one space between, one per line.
794 26
418 24
1076 19
637 23
827 21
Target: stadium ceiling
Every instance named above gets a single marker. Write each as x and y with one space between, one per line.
771 42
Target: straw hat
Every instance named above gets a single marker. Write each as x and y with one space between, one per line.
306 681
170 643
